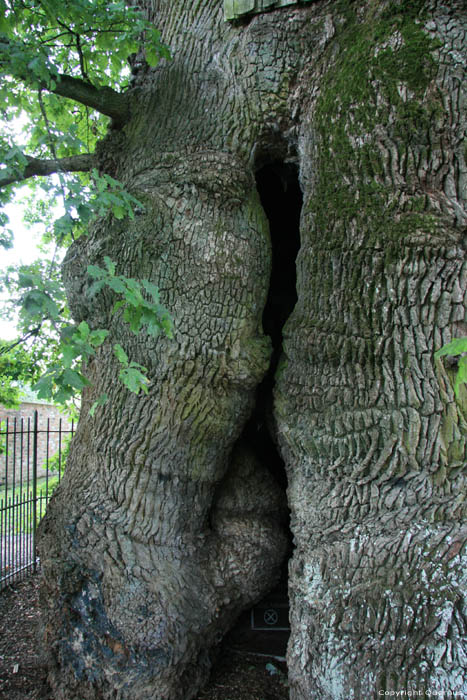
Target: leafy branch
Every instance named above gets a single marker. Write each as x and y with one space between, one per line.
15 369
24 167
139 310
78 50
131 373
64 379
65 376
94 37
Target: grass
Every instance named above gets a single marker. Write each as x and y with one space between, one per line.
25 488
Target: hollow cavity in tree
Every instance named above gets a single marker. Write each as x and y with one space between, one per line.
281 198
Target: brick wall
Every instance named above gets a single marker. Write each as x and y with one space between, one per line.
17 454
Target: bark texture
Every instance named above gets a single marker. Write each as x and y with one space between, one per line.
167 525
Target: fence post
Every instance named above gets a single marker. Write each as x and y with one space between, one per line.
34 490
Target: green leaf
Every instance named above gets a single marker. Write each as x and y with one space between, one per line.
118 305
110 265
83 330
167 327
456 347
120 354
26 280
44 387
98 337
134 380
116 284
133 317
69 353
75 379
33 302
96 287
119 211
152 289
100 401
95 271
461 376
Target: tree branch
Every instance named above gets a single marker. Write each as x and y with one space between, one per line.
106 100
72 164
34 331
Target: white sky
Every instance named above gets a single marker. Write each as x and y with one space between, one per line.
24 251
26 237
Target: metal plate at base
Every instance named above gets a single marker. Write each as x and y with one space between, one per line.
272 617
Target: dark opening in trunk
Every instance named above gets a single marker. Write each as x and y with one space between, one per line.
265 628
281 197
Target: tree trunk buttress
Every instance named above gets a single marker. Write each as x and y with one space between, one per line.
166 525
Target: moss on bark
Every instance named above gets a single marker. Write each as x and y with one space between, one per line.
380 78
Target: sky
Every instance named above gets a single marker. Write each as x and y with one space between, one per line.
26 237
25 251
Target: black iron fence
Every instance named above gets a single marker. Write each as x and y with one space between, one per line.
31 465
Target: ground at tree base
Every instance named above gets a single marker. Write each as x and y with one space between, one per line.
23 676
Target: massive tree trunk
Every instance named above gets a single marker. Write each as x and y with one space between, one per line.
168 523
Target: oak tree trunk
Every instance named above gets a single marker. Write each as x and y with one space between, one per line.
168 522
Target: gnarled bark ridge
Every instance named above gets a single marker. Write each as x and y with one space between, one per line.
167 525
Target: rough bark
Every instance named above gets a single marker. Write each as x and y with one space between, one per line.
102 98
166 526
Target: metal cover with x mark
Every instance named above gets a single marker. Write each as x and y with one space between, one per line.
270 617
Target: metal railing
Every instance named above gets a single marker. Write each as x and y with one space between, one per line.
31 466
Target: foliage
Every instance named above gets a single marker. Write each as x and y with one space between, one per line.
62 347
3 436
58 60
457 348
6 234
44 41
95 36
131 372
137 310
82 205
64 377
15 367
57 462
78 344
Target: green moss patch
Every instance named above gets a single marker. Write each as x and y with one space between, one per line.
378 88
